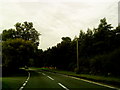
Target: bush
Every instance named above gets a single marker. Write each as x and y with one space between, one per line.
106 63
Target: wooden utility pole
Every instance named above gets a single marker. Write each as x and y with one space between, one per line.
77 55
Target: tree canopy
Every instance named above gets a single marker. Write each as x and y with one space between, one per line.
25 31
99 50
19 46
17 52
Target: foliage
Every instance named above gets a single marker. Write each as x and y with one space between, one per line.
25 31
98 51
19 46
109 80
16 53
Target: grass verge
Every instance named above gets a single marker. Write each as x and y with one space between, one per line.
113 81
14 82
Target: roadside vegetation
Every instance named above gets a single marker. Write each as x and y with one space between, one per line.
14 80
19 47
99 52
113 81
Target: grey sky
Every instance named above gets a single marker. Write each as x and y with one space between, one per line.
58 19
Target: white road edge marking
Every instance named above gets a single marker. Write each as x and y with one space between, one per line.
50 78
95 83
25 82
104 85
21 88
63 86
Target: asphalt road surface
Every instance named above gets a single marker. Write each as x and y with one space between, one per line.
43 80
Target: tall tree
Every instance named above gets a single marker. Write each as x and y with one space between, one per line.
19 46
17 52
25 31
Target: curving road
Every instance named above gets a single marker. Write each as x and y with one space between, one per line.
42 80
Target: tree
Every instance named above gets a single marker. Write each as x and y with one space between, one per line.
25 31
103 30
99 51
8 34
62 55
66 39
38 59
16 53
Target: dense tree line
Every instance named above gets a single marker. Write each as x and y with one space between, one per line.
99 51
19 47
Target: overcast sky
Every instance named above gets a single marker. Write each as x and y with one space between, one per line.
55 19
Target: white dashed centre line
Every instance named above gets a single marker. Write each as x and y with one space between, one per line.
63 86
50 78
43 74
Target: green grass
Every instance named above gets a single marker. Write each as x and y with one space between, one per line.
13 82
103 79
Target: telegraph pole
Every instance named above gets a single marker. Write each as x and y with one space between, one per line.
119 13
77 56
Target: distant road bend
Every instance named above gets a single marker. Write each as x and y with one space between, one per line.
46 80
